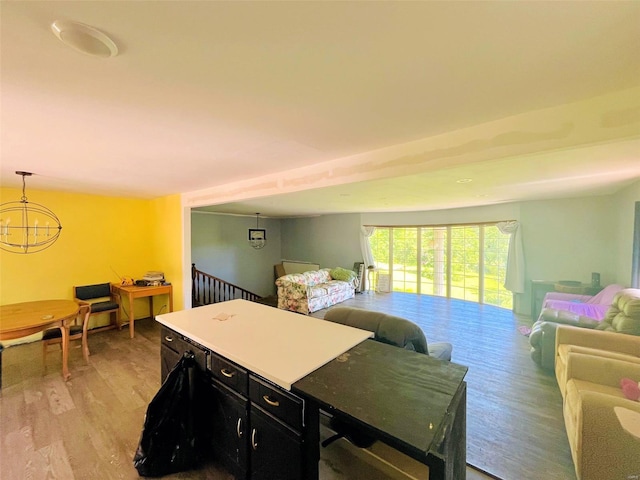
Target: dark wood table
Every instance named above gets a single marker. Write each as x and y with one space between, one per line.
412 402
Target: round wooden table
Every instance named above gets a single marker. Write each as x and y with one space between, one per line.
26 318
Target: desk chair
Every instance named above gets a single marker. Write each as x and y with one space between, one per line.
102 300
77 331
388 329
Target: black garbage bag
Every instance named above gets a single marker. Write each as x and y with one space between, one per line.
169 442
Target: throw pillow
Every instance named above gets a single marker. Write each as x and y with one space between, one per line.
343 274
630 389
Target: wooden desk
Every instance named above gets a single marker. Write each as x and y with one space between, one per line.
132 292
22 319
412 402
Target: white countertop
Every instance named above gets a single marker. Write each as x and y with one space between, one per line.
278 345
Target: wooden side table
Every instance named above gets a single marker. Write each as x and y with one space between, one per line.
131 292
538 290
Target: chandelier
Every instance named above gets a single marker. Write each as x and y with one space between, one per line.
257 236
27 227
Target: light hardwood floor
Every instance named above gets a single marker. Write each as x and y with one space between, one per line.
89 427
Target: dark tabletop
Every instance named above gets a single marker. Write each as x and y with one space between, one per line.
401 397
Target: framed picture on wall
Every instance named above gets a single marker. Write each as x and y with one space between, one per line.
257 234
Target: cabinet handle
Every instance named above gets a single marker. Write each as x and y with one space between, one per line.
227 373
239 428
254 439
273 403
168 338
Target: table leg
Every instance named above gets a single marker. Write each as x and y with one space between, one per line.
65 352
151 307
131 316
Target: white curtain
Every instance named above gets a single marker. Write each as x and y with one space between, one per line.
365 245
514 279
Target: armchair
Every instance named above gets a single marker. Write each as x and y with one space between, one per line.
102 299
600 445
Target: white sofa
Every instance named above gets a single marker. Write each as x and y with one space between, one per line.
311 291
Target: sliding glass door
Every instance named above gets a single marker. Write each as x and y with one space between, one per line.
456 261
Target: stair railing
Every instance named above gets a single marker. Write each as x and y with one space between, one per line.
207 289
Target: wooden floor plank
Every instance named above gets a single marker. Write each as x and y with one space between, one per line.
514 414
515 428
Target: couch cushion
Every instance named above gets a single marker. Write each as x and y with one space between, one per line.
343 274
316 277
103 306
578 385
317 291
624 314
565 349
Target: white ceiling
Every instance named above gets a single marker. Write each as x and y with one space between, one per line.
204 94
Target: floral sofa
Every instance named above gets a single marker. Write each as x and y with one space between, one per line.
311 291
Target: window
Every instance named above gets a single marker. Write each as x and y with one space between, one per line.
635 259
457 261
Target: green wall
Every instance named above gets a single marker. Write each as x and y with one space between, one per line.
220 247
564 239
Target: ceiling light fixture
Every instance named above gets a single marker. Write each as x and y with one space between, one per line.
16 235
464 180
257 236
84 38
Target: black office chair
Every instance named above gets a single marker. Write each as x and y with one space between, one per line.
388 329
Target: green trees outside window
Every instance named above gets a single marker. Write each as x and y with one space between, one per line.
456 261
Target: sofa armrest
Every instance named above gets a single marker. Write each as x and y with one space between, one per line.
569 297
602 432
567 317
600 370
615 342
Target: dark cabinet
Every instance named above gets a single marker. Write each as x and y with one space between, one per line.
256 430
230 429
276 450
284 434
266 436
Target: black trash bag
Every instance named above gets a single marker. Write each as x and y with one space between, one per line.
169 442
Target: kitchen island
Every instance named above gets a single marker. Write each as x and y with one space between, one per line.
271 371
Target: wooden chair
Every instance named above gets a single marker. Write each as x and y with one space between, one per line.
77 331
102 299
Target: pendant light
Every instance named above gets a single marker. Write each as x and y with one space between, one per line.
27 227
257 236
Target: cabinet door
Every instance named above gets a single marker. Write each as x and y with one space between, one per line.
276 450
230 429
168 360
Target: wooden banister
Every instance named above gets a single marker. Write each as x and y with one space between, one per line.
207 289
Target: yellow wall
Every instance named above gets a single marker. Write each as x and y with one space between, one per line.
99 235
167 232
